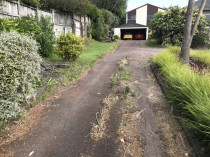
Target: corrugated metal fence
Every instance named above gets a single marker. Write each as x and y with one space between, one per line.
63 23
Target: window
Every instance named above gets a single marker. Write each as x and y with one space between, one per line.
150 17
131 17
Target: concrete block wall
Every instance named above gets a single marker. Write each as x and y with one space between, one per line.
63 23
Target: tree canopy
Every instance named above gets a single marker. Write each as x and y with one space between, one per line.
33 3
168 27
117 7
80 7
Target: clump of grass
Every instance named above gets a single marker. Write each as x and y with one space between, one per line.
200 56
126 92
188 91
98 130
121 74
3 132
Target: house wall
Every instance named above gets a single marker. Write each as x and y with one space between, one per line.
63 23
150 13
131 13
117 32
141 15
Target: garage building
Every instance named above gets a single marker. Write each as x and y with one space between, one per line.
133 29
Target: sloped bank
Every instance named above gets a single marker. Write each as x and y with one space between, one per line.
188 91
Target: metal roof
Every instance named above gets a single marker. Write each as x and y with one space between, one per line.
207 6
130 25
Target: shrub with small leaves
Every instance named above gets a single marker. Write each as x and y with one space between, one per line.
69 46
19 70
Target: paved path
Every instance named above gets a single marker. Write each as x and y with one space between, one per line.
66 123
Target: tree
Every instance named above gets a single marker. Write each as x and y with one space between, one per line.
33 3
168 27
117 7
79 7
99 27
1 2
189 30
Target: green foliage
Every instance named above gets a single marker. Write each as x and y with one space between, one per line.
41 30
200 56
110 19
46 38
153 43
117 7
79 7
168 27
19 70
1 2
99 27
187 90
33 3
116 37
69 46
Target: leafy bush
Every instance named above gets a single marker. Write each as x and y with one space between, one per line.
153 43
110 19
99 29
116 37
19 70
69 46
188 91
167 27
33 3
200 40
47 37
41 30
79 7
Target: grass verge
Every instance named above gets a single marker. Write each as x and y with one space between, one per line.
186 90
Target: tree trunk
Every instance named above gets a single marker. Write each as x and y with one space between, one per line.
186 43
189 31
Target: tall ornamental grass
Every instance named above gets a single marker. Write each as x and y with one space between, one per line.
186 90
200 56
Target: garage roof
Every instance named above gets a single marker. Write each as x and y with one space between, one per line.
130 25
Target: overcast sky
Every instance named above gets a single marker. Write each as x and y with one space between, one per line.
132 4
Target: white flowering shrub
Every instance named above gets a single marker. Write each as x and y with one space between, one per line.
19 70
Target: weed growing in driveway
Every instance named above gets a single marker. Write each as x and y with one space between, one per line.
121 74
126 92
98 130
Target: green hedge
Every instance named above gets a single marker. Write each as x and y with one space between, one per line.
19 72
187 90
